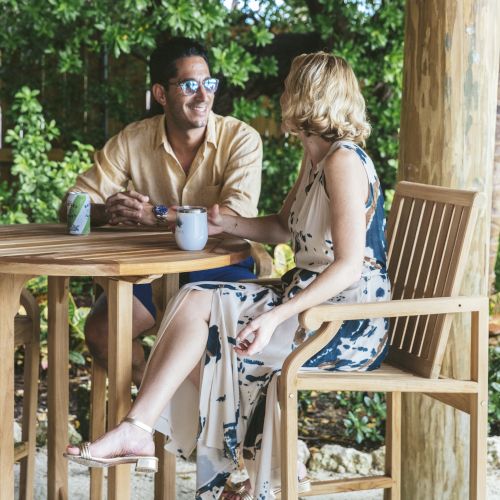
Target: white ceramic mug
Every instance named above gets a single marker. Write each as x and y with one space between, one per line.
191 231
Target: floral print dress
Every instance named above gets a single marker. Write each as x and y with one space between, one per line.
236 405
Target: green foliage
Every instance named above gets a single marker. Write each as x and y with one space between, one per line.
494 391
247 110
282 157
69 28
235 62
388 198
369 35
40 183
283 259
58 46
359 416
366 416
76 317
497 270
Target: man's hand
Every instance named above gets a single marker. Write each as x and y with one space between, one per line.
131 208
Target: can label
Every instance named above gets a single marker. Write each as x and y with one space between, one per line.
78 213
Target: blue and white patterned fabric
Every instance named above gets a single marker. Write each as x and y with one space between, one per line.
236 406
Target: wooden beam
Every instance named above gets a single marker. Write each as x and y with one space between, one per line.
447 138
345 485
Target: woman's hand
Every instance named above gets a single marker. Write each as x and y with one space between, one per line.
214 220
260 330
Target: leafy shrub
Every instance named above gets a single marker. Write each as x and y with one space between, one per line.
351 418
39 183
77 315
365 419
494 391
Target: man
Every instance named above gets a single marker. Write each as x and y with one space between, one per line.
187 156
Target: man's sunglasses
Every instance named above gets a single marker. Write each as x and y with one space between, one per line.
191 86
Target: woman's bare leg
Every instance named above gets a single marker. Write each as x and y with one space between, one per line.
176 357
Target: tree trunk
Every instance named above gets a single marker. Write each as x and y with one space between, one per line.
447 138
495 205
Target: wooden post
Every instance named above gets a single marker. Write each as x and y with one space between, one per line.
58 397
10 290
165 478
447 138
119 374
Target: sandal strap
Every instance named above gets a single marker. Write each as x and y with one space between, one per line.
85 450
138 423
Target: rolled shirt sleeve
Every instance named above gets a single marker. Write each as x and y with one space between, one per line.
242 175
109 174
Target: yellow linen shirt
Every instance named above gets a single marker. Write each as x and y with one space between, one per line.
226 169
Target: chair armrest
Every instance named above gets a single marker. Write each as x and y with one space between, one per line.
30 305
263 261
314 317
327 320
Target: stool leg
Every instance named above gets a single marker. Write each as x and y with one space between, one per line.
165 477
97 424
30 403
393 445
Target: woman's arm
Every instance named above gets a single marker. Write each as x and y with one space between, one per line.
347 186
267 229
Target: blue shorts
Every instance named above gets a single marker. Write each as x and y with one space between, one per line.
241 271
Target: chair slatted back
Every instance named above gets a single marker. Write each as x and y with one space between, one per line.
429 233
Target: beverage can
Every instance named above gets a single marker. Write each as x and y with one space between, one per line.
78 213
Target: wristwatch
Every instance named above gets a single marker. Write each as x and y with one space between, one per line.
160 212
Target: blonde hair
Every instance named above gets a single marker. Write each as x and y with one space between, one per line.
322 97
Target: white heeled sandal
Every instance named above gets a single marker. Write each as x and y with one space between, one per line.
142 463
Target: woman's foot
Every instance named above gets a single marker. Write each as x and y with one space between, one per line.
125 440
239 491
243 490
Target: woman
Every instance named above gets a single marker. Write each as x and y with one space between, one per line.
211 379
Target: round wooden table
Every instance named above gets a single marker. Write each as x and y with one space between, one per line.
117 257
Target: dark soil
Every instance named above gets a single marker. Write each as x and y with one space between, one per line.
321 422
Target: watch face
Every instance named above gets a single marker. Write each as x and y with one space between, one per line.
160 211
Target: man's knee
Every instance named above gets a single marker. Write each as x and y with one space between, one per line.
96 331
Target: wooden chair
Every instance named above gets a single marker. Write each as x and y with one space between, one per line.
27 333
429 234
165 478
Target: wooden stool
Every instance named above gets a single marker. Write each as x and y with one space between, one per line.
27 333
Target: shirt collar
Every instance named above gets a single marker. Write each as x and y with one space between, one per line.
210 135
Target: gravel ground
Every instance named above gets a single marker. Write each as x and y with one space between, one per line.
142 484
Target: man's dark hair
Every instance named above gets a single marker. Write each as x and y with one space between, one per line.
162 61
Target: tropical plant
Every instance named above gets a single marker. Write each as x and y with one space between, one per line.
366 415
39 183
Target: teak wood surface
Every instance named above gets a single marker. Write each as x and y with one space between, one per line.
118 257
